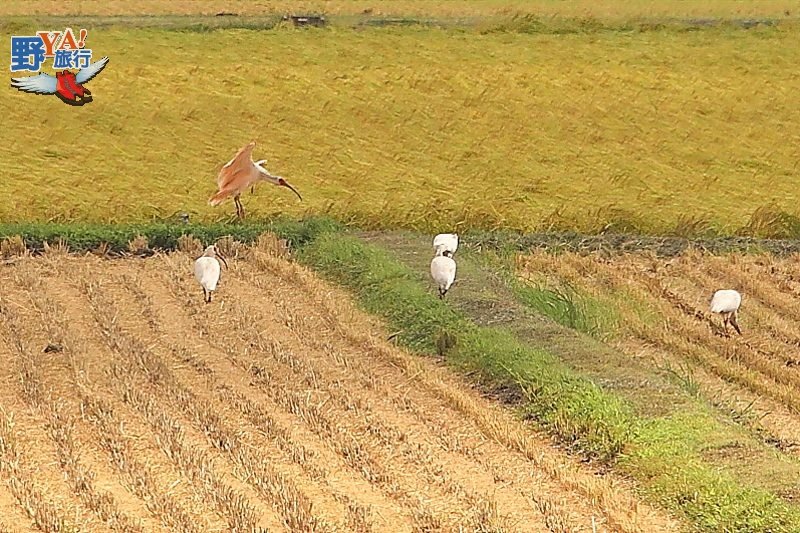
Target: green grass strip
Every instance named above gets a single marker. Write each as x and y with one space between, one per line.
574 408
84 237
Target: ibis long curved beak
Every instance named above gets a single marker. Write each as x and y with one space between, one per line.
223 259
283 182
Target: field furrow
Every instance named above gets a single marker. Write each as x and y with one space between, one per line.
14 507
302 392
188 453
59 408
43 506
47 426
759 352
229 386
239 446
122 435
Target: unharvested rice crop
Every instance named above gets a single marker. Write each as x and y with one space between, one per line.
130 405
429 8
661 131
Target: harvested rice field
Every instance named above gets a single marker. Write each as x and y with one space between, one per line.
128 404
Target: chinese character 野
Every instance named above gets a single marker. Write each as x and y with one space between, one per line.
27 53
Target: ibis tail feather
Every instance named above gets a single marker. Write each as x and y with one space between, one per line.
219 197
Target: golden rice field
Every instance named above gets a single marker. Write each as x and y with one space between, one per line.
277 406
656 310
579 8
654 131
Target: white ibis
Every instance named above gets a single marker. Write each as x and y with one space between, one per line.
726 302
443 271
207 270
446 241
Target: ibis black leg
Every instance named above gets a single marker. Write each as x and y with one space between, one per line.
735 324
239 208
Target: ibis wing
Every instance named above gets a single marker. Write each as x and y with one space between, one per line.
41 84
446 241
206 272
86 74
240 164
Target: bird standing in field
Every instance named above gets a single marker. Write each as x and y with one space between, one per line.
726 302
446 241
443 271
240 173
207 270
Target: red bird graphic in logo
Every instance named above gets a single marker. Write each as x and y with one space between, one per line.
66 85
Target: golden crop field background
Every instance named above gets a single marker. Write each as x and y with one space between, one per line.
605 10
422 128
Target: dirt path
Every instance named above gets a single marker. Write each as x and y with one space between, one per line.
271 407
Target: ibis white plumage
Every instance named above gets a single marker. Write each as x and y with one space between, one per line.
207 270
446 242
726 302
443 271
